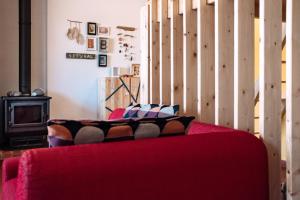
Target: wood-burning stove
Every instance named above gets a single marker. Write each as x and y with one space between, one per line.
24 121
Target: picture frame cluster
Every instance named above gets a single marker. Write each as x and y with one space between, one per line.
99 40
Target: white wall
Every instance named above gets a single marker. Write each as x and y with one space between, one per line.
73 83
9 45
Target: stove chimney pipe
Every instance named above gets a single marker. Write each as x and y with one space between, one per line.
25 47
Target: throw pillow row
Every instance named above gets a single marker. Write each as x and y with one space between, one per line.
70 132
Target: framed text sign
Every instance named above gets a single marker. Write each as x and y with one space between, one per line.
80 56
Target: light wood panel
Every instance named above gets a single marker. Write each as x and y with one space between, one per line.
145 54
190 58
293 99
244 65
257 3
165 54
224 50
206 61
154 54
177 55
270 88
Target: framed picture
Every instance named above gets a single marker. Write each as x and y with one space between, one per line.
135 70
91 43
104 31
91 28
102 60
103 45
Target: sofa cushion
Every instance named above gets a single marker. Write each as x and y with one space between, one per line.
159 127
70 132
131 111
151 111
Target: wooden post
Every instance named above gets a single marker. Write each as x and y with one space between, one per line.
270 87
145 54
177 55
244 11
293 99
165 57
190 58
224 53
206 62
154 54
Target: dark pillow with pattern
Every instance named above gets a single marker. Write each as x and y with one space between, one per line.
131 111
70 132
157 111
159 127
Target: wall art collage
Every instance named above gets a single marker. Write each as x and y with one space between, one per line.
101 44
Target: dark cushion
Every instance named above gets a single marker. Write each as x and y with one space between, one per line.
70 132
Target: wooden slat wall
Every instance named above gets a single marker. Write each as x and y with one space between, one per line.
190 58
165 57
293 99
224 48
176 55
206 62
212 72
154 53
244 65
270 87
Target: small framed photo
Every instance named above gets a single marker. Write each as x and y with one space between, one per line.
91 44
104 31
91 28
102 60
135 70
103 45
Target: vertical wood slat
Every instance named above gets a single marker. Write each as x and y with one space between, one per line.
224 54
165 57
293 99
176 55
244 11
270 87
145 54
154 54
206 62
190 58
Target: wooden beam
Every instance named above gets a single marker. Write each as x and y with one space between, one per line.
165 57
270 87
206 62
177 55
145 54
190 58
293 99
244 65
212 2
224 54
154 54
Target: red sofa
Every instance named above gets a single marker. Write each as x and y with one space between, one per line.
211 163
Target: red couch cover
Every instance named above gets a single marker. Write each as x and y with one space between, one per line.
222 164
